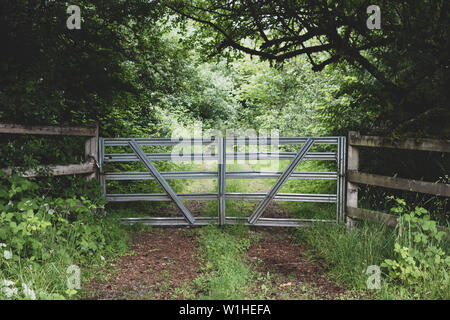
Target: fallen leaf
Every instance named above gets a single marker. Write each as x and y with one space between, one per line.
286 284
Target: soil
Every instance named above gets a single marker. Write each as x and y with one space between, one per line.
163 259
294 273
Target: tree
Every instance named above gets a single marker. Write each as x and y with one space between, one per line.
119 70
53 75
408 57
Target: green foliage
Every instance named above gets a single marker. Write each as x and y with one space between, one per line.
420 263
287 97
348 253
137 72
41 236
400 69
414 256
228 276
54 75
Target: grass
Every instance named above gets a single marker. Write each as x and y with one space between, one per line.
47 276
227 275
348 253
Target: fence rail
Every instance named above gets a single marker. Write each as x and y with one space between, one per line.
439 189
90 149
420 144
88 131
355 177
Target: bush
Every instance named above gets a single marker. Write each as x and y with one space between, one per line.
420 263
413 256
41 236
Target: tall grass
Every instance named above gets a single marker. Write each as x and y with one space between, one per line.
348 253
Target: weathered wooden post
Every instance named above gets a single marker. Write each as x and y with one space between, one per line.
91 152
352 166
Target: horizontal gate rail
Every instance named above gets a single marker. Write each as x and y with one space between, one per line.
117 142
253 196
129 157
202 221
317 175
222 156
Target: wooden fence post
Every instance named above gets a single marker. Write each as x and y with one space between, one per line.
91 151
352 165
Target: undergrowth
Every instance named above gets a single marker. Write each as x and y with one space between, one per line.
413 258
348 253
45 241
227 275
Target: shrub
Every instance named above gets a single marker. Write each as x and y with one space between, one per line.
41 236
420 263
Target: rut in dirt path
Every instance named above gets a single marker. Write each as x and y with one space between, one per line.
294 274
163 261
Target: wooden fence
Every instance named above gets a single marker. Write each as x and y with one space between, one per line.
354 177
91 148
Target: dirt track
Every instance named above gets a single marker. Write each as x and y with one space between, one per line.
165 264
163 260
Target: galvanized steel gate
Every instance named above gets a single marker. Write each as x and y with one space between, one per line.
222 155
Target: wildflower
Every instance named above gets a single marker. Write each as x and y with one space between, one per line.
7 283
29 293
9 292
2 245
5 288
7 254
102 258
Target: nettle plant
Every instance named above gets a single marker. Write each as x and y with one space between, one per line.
34 227
420 259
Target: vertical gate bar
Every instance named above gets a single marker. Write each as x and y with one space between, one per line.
101 155
338 182
155 173
221 168
281 180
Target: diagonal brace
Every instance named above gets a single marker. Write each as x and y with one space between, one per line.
281 180
155 173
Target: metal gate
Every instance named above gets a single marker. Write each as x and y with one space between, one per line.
222 155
